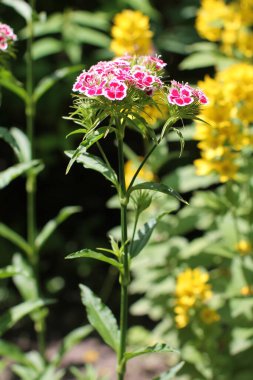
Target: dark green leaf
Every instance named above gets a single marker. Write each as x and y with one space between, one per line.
51 226
90 161
159 187
101 318
46 83
88 253
14 314
8 81
15 238
142 238
171 373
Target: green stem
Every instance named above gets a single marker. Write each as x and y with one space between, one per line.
124 280
31 176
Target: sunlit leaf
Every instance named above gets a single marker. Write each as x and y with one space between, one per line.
8 81
101 318
25 279
8 137
20 6
159 187
157 348
8 175
7 233
170 375
13 352
88 253
8 271
24 145
46 46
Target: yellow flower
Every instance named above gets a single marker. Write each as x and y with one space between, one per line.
192 291
247 290
131 34
145 173
244 247
91 356
209 315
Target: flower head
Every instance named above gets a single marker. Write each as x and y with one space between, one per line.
131 34
7 36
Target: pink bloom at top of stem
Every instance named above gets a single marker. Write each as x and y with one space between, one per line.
183 94
115 90
6 36
156 61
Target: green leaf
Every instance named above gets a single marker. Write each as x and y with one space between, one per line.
171 373
15 238
142 238
159 187
97 20
51 373
88 253
46 83
20 6
14 314
24 145
73 338
25 279
8 175
8 81
46 46
90 161
90 36
11 351
51 226
8 271
159 347
101 318
199 60
8 137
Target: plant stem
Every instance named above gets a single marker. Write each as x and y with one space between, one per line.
31 176
124 280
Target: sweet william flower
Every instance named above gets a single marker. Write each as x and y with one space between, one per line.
7 36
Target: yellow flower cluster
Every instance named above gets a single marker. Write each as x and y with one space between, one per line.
244 247
131 34
228 23
144 175
229 114
192 292
247 290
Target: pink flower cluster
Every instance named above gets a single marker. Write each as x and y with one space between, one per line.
113 79
181 94
6 36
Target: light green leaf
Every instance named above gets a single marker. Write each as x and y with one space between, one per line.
198 60
25 280
8 137
8 175
159 347
51 226
142 238
171 373
101 318
88 253
8 271
13 352
89 36
73 338
46 46
51 373
23 143
15 238
25 372
90 161
8 81
159 187
92 19
46 83
14 314
20 6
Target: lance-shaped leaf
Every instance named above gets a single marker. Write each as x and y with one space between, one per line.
157 348
88 253
101 318
159 187
8 137
169 375
14 314
51 226
8 175
70 340
15 238
8 271
143 236
24 145
8 81
90 161
25 279
46 83
21 7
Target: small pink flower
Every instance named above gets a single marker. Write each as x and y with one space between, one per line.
115 90
6 36
181 97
